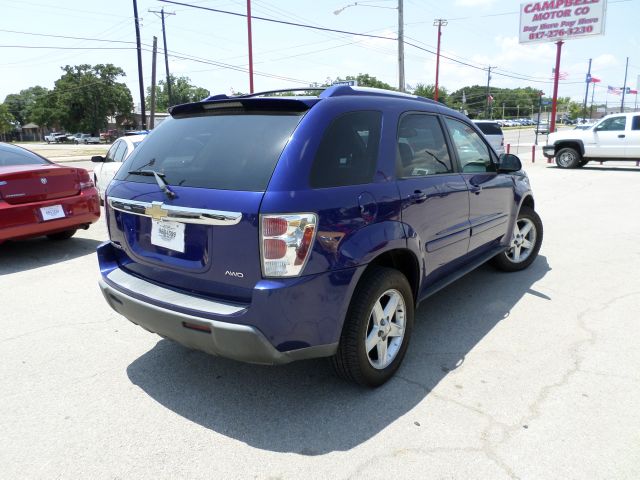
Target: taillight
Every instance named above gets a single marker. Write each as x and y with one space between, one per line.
285 243
84 180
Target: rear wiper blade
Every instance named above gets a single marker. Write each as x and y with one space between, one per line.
162 183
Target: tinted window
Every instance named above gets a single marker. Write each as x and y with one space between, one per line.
348 153
489 128
112 151
222 151
473 153
422 149
18 156
636 123
120 152
614 124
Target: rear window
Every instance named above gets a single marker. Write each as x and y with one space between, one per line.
17 156
489 128
225 152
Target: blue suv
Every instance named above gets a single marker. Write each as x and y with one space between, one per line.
269 228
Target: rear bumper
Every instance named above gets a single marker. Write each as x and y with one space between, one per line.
549 151
25 220
286 320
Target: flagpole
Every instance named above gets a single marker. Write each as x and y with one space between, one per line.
586 93
554 100
593 91
624 89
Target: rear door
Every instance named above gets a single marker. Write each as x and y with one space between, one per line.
632 150
609 138
491 195
206 239
435 199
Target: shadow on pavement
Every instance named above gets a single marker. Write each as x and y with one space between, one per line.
302 407
603 168
22 255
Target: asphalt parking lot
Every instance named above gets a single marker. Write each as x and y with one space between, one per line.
531 375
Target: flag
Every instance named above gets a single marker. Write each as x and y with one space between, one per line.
595 80
614 90
633 92
464 97
561 75
490 99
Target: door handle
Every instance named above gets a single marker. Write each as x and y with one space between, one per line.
418 196
621 136
475 189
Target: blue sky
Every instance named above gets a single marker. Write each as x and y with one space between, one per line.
480 32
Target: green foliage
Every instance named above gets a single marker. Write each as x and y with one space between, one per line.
363 79
7 120
21 104
182 91
86 95
428 91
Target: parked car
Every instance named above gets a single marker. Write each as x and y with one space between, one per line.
54 137
615 137
493 133
86 138
108 165
542 128
73 138
39 197
272 229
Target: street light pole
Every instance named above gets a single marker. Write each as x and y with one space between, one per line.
401 85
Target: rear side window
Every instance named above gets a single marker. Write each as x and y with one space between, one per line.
636 123
120 152
18 156
223 151
422 149
489 128
348 152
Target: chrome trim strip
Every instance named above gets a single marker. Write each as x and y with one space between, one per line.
163 211
171 297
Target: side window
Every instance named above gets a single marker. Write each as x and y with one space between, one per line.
121 152
636 123
112 151
614 124
473 153
348 152
422 149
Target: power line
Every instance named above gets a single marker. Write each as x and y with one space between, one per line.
67 48
66 37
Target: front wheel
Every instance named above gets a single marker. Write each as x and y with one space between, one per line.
525 242
377 328
568 158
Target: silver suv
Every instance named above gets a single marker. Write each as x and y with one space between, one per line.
493 133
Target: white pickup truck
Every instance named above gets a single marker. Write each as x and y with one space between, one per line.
615 137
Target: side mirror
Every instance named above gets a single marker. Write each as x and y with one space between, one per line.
509 163
97 158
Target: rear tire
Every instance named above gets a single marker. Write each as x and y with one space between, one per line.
525 243
568 158
377 328
67 234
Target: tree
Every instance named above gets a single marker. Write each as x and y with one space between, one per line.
20 105
182 91
429 91
7 120
363 79
86 95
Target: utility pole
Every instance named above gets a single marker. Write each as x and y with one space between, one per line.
556 79
486 112
586 93
624 89
140 78
503 110
439 22
400 46
153 84
250 46
593 91
166 55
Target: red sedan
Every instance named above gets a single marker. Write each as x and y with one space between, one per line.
39 197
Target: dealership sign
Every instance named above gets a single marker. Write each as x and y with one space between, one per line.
553 20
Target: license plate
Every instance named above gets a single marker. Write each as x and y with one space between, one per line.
168 234
52 212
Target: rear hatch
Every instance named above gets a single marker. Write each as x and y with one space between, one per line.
217 158
493 133
35 183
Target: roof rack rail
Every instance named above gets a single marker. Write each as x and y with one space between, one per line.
257 94
345 90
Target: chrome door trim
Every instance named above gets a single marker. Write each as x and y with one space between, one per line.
163 211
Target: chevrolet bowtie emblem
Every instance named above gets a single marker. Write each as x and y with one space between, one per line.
156 211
